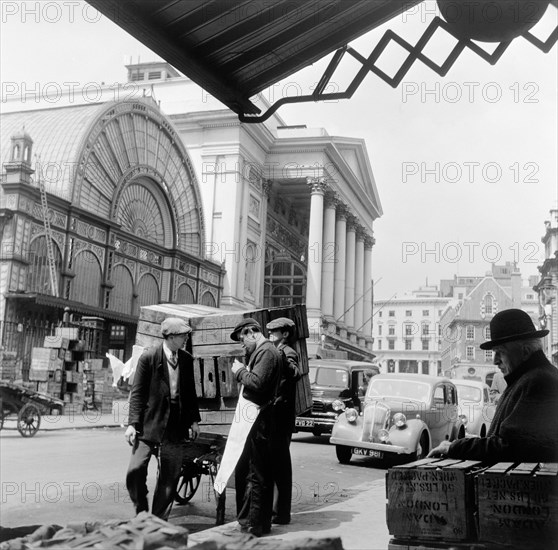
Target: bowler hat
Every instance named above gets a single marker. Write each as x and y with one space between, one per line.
175 325
510 325
245 323
281 323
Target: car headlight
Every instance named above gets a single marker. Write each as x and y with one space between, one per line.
338 406
351 415
383 436
400 420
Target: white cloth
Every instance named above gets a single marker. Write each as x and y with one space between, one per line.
172 358
244 417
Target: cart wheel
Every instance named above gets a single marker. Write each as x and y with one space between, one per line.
1 420
28 420
186 488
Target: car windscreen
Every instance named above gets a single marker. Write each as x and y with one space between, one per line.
468 393
406 389
333 378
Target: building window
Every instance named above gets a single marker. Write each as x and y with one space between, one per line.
425 345
408 313
529 297
136 76
470 353
425 367
208 300
38 274
392 313
408 330
488 355
487 332
470 332
154 75
408 344
488 305
284 284
379 330
440 313
379 344
391 344
425 312
425 330
379 313
391 330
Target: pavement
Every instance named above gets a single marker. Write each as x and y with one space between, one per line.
360 521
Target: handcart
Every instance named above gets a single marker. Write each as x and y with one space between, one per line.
26 406
203 457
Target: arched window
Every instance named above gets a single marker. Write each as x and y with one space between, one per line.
87 282
148 292
208 299
122 295
15 155
284 283
38 272
185 295
488 304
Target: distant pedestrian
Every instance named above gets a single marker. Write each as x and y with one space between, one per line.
253 473
524 427
498 386
163 414
281 332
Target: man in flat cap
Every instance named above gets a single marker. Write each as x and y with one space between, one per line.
524 427
163 414
281 331
253 473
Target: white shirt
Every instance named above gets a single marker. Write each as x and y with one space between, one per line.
173 373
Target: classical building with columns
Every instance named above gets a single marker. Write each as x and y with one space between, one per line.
167 197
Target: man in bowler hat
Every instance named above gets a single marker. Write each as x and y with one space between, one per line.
253 472
163 414
524 427
280 331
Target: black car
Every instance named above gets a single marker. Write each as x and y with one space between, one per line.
335 384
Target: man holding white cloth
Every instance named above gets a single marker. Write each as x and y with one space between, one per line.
253 474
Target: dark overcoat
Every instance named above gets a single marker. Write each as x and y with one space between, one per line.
150 395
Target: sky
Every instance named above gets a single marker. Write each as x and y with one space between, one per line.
465 165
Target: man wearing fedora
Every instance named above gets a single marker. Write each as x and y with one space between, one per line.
524 427
163 414
253 472
280 331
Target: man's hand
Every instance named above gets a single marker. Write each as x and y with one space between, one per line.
130 434
439 451
236 366
194 431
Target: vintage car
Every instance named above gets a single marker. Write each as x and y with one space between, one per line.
335 385
476 406
404 416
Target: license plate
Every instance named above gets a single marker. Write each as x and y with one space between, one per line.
304 423
368 452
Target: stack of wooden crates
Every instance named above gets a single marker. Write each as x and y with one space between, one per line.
8 366
464 504
214 351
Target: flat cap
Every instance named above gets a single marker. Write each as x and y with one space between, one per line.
249 322
279 323
175 325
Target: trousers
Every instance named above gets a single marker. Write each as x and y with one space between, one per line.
282 476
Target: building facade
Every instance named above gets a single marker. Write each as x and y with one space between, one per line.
465 322
157 193
407 331
547 286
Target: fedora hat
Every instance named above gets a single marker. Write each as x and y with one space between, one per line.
510 325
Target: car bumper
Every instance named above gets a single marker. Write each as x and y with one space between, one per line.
393 449
314 424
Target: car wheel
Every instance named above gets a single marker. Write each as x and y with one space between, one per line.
422 446
343 454
317 433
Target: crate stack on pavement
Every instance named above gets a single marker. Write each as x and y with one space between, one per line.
436 504
9 369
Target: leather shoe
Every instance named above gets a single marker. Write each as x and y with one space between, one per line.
280 520
255 530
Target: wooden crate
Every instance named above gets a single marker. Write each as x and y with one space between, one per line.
213 349
432 499
518 505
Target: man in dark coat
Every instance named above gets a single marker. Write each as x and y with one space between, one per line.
281 330
524 427
163 414
253 472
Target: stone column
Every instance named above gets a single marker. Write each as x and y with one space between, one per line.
367 291
328 257
339 268
350 273
359 281
266 195
315 246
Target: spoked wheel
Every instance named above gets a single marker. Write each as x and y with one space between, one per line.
187 486
28 420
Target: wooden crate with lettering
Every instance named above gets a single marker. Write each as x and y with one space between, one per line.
518 505
432 499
